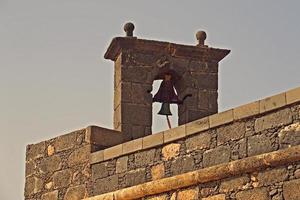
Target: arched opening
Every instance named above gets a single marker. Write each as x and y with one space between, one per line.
159 122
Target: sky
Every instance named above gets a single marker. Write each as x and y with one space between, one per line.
54 79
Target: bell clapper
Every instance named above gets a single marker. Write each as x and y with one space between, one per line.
168 120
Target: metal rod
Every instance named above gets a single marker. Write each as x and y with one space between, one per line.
168 120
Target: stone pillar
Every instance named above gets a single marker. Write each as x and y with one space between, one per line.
139 62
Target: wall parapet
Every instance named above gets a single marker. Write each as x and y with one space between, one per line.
217 172
249 110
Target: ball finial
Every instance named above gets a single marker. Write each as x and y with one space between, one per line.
128 28
201 36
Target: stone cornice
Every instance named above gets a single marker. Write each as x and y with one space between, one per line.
235 168
120 44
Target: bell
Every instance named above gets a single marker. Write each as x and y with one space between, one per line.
165 109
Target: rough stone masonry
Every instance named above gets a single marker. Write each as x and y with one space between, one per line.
248 152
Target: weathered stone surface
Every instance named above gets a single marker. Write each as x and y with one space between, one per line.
100 170
271 103
62 178
246 110
293 95
221 118
170 151
30 168
132 146
113 152
122 164
35 151
276 119
215 197
158 171
160 197
233 184
65 142
230 132
259 144
216 156
200 141
181 165
80 155
272 176
291 190
50 150
253 194
191 194
297 173
153 140
144 158
290 135
197 126
33 185
49 185
174 134
50 195
50 164
75 193
106 185
135 177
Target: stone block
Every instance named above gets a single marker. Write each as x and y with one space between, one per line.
170 151
50 195
65 142
76 193
230 132
246 110
30 168
272 120
290 135
50 150
97 157
100 170
105 185
216 156
62 178
199 141
33 185
272 176
191 194
182 165
34 151
80 155
50 164
136 114
153 140
132 146
197 126
291 190
254 194
216 197
259 144
272 103
122 164
113 152
207 80
221 118
144 158
135 177
135 74
140 94
174 134
293 96
158 171
233 184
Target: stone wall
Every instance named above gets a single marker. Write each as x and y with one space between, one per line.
260 127
58 168
94 161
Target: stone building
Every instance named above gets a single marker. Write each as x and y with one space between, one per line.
250 152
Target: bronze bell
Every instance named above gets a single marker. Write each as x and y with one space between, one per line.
166 95
165 109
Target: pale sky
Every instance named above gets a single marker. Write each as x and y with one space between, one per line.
54 79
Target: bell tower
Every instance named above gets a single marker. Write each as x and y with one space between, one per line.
138 62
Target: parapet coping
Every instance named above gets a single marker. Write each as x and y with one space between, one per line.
217 172
245 111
